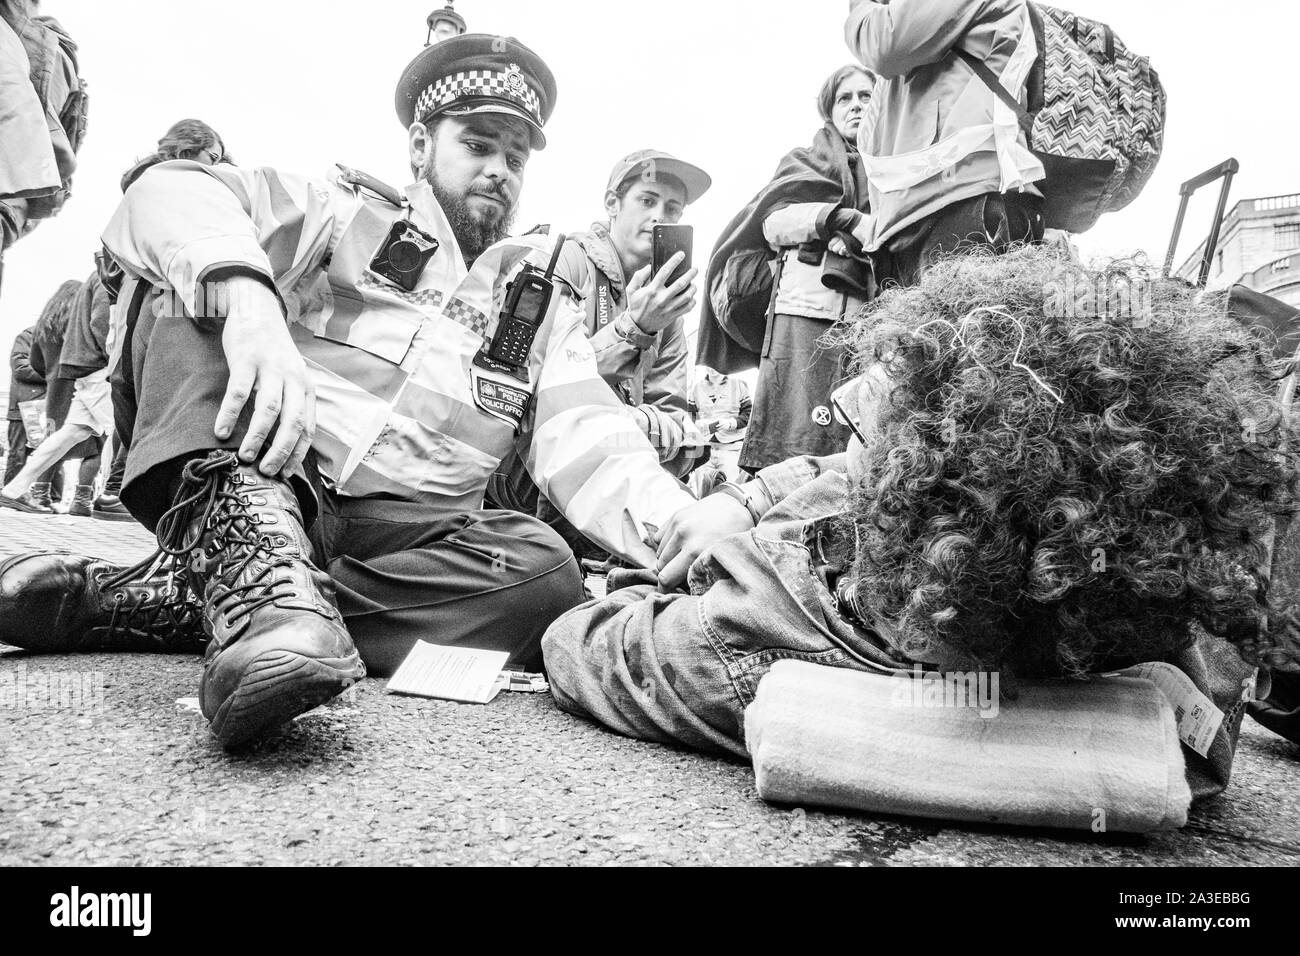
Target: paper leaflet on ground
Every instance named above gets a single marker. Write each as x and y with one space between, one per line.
453 673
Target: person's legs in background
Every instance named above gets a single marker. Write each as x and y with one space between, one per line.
17 449
39 463
108 506
87 472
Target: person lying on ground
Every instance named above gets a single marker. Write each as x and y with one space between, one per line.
1036 493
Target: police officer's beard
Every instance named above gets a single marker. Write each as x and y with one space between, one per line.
473 233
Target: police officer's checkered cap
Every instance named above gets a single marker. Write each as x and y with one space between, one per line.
479 83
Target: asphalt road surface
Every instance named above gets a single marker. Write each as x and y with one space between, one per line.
119 768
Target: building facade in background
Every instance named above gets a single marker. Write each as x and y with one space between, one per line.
1259 246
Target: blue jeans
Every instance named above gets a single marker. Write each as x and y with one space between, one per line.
682 668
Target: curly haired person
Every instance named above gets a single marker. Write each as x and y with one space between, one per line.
1043 483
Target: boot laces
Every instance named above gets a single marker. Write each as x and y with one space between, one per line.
208 503
169 614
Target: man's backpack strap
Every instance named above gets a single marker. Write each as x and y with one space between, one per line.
1023 116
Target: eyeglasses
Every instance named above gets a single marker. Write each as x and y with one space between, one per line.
844 400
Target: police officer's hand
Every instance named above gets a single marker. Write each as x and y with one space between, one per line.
652 303
695 529
264 362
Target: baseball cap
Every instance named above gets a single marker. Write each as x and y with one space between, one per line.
647 164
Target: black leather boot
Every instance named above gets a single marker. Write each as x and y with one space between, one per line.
57 602
278 644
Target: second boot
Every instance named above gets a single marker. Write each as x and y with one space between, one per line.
56 602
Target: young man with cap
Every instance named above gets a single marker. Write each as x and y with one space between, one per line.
634 318
325 375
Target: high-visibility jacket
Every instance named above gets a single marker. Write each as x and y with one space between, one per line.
402 410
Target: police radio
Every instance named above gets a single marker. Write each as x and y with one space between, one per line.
527 299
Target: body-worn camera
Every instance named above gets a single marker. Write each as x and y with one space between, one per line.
404 254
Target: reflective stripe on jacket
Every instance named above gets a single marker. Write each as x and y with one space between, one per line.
402 411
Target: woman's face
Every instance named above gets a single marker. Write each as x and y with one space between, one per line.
851 99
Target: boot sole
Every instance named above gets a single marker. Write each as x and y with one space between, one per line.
278 687
101 516
16 505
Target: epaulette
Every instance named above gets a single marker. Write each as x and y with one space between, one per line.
355 177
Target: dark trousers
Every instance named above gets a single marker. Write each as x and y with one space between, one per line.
113 484
18 453
493 580
403 571
991 221
17 449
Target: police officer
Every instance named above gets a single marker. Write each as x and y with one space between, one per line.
325 375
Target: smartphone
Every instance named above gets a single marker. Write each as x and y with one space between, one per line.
670 239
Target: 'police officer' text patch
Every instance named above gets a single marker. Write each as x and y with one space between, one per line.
503 401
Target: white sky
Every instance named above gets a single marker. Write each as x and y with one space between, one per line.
727 84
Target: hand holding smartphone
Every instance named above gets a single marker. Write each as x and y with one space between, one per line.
669 239
653 302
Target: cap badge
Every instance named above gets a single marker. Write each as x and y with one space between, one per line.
515 80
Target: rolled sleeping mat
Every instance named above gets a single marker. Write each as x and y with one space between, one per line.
1099 755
